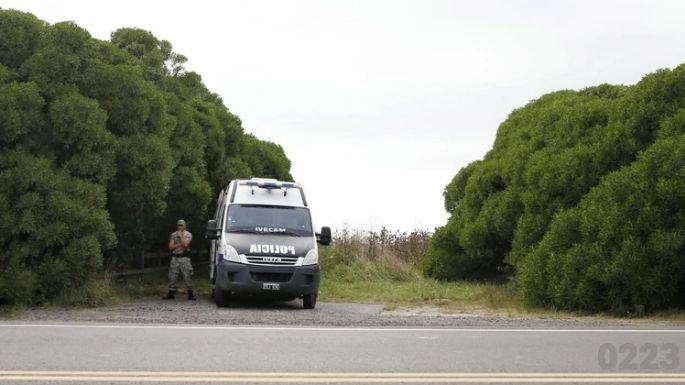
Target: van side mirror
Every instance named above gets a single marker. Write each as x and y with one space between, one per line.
324 237
212 230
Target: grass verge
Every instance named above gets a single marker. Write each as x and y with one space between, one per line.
349 275
359 267
383 268
362 283
397 285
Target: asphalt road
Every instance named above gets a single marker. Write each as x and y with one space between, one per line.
32 352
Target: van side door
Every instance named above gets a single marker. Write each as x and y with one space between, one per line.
218 215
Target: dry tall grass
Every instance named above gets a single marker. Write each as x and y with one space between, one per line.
383 255
383 266
385 246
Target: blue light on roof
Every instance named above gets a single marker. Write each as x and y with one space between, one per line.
267 184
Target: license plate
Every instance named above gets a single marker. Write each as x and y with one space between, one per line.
271 286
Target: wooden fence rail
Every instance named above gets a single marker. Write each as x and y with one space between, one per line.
151 261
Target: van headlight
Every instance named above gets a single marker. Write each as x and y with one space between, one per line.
230 254
312 257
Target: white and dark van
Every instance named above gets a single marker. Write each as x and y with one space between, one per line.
262 242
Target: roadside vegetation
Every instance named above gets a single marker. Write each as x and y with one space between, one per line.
384 267
103 145
580 201
361 266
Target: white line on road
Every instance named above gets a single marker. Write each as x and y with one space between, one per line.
296 377
335 329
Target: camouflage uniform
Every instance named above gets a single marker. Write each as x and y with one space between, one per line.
180 262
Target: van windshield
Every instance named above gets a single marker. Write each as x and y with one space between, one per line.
269 220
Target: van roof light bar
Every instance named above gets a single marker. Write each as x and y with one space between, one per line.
269 184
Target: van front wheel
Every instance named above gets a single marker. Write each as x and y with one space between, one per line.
221 298
309 301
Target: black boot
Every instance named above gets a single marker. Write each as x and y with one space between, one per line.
191 296
170 294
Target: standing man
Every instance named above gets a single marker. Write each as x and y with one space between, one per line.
179 245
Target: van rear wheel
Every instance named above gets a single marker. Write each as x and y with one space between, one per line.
309 301
221 298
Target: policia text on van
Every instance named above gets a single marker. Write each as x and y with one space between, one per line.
263 242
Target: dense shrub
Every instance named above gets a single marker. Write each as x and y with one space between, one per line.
622 248
53 229
558 167
104 141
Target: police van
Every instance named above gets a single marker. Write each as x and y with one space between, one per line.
262 242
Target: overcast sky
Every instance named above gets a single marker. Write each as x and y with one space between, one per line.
379 103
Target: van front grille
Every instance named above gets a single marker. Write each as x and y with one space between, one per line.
270 277
269 260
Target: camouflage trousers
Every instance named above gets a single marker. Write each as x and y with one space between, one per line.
183 265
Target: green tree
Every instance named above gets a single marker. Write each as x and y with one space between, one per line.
548 158
64 52
19 37
80 139
20 112
104 138
621 248
138 193
54 229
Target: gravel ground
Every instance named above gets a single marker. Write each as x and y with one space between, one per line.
254 312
